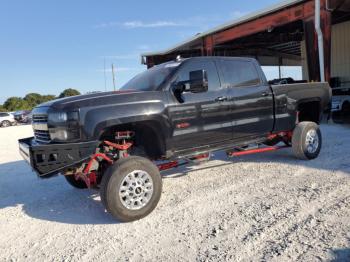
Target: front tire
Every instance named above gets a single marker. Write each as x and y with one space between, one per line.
307 141
131 188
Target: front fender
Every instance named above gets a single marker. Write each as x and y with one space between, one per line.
97 120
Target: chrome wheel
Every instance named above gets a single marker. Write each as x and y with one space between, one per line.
136 190
312 141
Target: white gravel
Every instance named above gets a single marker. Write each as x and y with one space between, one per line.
267 207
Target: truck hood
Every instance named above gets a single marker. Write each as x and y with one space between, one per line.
96 99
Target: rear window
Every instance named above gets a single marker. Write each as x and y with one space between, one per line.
239 73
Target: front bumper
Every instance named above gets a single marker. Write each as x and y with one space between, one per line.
51 159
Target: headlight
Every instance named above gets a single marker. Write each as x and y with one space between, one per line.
64 126
61 117
58 117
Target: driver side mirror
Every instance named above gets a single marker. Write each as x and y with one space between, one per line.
198 83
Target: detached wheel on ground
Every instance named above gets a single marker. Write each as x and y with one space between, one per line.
5 123
307 141
80 184
131 188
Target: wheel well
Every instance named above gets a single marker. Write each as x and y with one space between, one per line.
147 137
309 111
346 106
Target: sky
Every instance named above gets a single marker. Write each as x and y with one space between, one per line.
48 46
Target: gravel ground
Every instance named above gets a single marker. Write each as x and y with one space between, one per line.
267 207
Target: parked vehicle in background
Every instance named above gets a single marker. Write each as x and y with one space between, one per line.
23 116
341 104
286 81
7 119
181 110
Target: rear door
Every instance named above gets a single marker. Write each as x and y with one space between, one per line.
249 96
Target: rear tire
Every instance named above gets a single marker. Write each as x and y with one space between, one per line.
131 188
307 141
80 184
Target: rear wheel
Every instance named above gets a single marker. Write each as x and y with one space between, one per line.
131 188
80 184
5 123
307 140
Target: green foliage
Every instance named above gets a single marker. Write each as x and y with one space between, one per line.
2 109
16 103
47 98
31 100
69 92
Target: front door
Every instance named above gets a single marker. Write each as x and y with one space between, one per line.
200 119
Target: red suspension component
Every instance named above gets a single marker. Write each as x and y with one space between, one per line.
123 146
169 165
103 156
286 134
90 177
201 156
254 151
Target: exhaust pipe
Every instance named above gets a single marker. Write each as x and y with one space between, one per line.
320 38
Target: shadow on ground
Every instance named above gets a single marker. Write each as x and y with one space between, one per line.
49 199
341 255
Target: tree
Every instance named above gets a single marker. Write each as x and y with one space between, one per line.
33 99
69 92
15 104
47 98
2 108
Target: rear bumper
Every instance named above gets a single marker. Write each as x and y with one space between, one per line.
51 159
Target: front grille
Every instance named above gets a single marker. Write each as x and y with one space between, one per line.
40 118
41 131
42 136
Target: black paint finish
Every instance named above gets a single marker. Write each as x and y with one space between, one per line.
228 113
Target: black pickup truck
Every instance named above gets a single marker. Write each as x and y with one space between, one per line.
183 110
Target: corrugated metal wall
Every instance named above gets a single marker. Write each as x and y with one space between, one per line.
341 51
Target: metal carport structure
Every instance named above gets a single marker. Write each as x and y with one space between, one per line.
284 34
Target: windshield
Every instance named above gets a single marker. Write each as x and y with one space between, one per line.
151 79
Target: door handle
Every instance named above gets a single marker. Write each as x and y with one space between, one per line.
265 94
221 99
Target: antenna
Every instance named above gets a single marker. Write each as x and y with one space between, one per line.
104 71
113 75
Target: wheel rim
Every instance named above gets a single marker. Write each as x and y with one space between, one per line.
5 124
312 141
136 190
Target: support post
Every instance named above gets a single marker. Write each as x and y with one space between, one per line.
208 46
326 23
312 50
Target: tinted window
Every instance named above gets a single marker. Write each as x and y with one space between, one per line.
213 78
239 73
3 114
151 79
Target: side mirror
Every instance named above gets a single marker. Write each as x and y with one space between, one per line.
198 83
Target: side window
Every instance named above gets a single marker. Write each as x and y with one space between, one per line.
239 73
213 77
3 114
